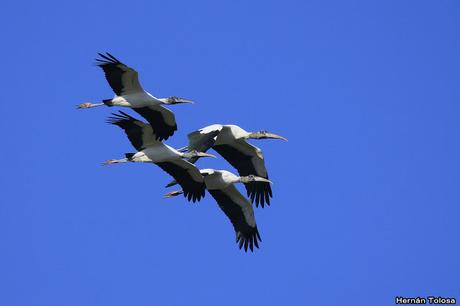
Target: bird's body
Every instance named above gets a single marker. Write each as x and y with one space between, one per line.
221 185
128 91
134 100
167 158
158 152
218 179
230 141
230 133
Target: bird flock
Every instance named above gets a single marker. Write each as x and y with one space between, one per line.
229 141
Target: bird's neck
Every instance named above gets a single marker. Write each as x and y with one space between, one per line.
255 135
163 100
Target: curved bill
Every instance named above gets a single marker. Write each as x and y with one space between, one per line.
275 136
202 154
253 178
261 179
182 100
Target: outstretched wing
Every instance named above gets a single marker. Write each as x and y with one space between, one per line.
203 139
239 210
123 79
200 141
161 119
248 159
187 176
139 133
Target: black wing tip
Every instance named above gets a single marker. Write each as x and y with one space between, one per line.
166 133
120 118
161 130
249 241
107 59
262 203
194 196
112 57
161 137
259 193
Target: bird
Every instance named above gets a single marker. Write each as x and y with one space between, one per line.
150 150
230 142
221 185
128 91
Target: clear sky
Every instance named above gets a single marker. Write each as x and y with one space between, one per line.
366 191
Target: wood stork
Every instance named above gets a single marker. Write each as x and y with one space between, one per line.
220 184
167 158
129 93
230 142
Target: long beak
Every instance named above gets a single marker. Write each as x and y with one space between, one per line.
275 136
182 100
173 194
253 178
201 154
261 179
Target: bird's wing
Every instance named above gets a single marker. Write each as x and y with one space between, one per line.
248 159
139 133
187 176
203 139
239 210
161 119
123 79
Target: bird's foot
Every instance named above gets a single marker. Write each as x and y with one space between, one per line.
84 105
173 194
109 162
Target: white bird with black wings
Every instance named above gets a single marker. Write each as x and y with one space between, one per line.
167 158
220 184
129 93
230 142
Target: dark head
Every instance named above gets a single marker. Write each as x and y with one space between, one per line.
177 100
196 154
253 178
265 135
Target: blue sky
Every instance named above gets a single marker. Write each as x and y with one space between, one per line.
366 191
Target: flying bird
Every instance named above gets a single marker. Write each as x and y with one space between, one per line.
220 184
150 150
230 142
129 93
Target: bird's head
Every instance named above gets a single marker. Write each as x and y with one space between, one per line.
177 100
195 153
265 135
253 178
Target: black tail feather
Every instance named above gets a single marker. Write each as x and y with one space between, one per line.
129 156
107 102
